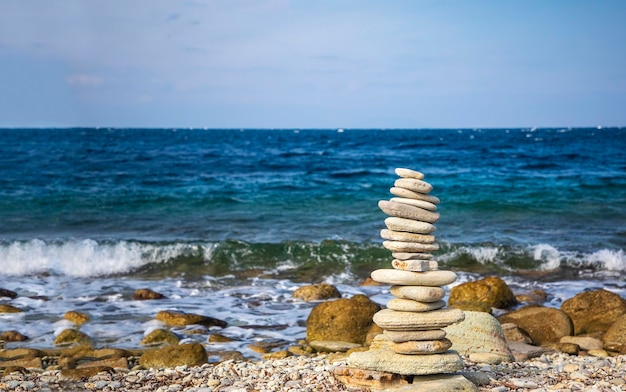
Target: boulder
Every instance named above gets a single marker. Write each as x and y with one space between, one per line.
180 319
71 336
615 337
478 333
316 292
146 294
513 333
159 337
543 325
491 290
345 319
192 354
77 318
594 311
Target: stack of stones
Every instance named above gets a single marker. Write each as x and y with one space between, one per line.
413 341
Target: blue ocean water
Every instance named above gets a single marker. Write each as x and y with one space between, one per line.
219 220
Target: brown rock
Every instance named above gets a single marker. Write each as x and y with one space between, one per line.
472 306
8 293
219 338
146 294
85 373
115 363
534 297
347 320
192 354
23 363
21 353
512 333
159 337
568 348
71 336
594 311
491 290
13 336
77 318
6 308
523 352
317 292
265 346
179 319
543 324
615 337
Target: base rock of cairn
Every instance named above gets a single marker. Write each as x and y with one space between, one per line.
413 343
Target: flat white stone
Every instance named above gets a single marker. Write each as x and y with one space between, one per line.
408 173
409 305
406 237
413 184
412 256
410 278
407 336
418 293
441 383
414 202
407 211
415 265
388 361
421 347
402 192
412 321
409 225
410 247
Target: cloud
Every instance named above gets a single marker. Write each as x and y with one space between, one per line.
84 80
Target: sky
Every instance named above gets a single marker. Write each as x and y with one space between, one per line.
312 63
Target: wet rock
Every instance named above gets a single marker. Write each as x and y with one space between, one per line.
146 294
537 297
13 336
71 336
192 354
491 290
594 311
159 337
615 337
265 346
543 324
6 308
77 318
180 319
219 338
8 293
225 355
345 319
316 292
479 333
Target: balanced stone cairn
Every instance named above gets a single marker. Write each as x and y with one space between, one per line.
413 342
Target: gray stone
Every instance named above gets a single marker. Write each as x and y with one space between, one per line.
410 278
402 192
418 293
414 202
415 265
523 352
409 305
421 347
388 361
412 256
409 225
439 383
407 336
480 332
413 184
408 173
407 211
406 237
413 321
397 246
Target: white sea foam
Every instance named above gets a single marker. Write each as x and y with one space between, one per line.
84 258
548 255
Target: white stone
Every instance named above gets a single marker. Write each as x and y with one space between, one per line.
412 321
409 305
407 211
418 293
406 237
410 247
409 225
410 278
415 265
413 184
402 192
415 202
412 256
408 173
388 361
407 336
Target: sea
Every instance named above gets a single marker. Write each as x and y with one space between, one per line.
228 223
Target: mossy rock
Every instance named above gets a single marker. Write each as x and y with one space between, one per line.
6 308
146 294
192 354
316 292
180 319
159 337
345 319
78 318
71 336
492 291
